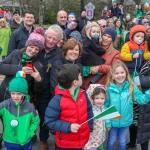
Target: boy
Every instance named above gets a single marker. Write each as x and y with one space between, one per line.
68 109
20 120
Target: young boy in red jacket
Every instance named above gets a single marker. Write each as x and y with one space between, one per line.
68 109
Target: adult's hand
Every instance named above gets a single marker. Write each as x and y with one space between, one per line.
36 75
94 69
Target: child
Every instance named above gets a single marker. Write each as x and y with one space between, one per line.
91 48
133 52
69 108
72 19
122 93
97 95
19 117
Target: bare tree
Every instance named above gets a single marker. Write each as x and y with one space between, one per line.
41 12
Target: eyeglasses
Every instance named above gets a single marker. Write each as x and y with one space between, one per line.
145 22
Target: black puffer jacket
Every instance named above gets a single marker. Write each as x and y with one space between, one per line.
143 133
55 67
10 66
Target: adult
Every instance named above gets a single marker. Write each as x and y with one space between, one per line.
1 12
103 24
114 9
5 33
7 15
62 22
112 55
53 35
17 21
82 20
143 130
70 54
20 36
25 60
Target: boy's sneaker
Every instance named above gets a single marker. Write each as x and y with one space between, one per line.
129 146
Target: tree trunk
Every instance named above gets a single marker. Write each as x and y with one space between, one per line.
41 12
61 4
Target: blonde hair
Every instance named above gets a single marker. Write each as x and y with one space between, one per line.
110 76
5 22
89 28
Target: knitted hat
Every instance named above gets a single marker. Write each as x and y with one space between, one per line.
19 83
36 38
91 89
110 31
76 35
89 27
72 13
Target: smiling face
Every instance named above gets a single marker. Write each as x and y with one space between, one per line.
106 40
17 97
28 19
73 54
62 17
119 75
99 99
31 51
138 37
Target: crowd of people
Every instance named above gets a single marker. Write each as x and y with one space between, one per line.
58 79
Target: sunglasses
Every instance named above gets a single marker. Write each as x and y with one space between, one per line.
145 22
104 26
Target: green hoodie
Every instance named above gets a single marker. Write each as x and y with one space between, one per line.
20 121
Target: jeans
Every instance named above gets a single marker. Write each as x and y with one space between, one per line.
117 133
11 146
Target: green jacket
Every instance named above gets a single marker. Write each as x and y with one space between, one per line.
5 34
20 121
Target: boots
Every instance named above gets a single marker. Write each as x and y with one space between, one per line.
44 145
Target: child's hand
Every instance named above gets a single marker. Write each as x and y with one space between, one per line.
108 129
136 55
75 127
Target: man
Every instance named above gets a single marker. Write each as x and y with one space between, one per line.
103 24
62 22
53 35
82 20
20 36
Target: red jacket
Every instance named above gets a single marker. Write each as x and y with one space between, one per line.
62 111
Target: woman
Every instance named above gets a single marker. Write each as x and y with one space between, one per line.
5 33
119 41
111 55
143 129
26 60
70 54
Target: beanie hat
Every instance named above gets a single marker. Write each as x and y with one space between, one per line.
91 89
19 83
110 31
72 13
36 38
76 35
89 27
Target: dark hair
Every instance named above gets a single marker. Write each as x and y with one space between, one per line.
148 42
16 12
67 74
28 12
97 91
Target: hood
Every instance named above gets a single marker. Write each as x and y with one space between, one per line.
135 29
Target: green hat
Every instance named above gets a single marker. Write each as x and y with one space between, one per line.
19 83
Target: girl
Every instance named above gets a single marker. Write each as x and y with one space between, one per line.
91 48
97 95
121 93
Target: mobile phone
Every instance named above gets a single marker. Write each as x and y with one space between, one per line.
29 64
